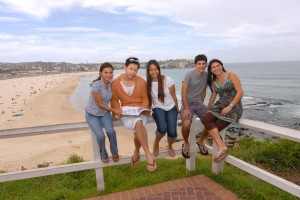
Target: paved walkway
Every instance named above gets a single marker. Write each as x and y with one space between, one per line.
192 188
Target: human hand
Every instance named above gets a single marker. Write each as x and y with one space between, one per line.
186 114
118 113
225 110
114 117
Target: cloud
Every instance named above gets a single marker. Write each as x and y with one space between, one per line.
38 9
69 29
9 19
178 28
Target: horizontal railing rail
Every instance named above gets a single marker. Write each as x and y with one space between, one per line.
96 164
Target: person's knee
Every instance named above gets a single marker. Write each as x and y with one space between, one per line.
186 123
160 134
139 124
172 137
100 137
111 132
161 129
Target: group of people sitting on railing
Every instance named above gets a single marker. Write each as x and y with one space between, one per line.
158 94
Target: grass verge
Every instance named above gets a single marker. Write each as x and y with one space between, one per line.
79 185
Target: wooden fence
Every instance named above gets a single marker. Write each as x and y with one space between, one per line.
190 163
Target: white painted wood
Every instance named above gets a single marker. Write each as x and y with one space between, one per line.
40 130
98 171
264 175
100 179
190 163
98 165
277 131
60 169
217 168
270 129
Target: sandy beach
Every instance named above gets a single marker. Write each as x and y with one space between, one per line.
44 100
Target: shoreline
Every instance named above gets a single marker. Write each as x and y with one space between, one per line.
50 105
42 101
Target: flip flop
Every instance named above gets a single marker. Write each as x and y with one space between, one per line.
221 155
151 165
202 149
185 153
135 163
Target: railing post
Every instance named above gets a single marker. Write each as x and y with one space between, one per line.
190 163
218 168
99 171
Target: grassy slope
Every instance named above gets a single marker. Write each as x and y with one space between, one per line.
78 185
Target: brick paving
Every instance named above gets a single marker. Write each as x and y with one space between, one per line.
192 188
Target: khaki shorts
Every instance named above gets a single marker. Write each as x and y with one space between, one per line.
197 108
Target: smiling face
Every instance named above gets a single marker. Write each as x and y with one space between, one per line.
200 66
154 72
107 74
131 70
216 68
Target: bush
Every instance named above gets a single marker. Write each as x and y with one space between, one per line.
282 155
74 159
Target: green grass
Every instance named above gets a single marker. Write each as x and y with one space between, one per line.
283 155
78 185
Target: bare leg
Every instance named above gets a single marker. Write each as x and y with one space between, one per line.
137 148
203 136
170 144
156 146
171 150
141 135
185 130
217 138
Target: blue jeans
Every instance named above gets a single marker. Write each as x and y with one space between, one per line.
97 123
166 122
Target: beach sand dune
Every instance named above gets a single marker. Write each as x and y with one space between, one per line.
44 100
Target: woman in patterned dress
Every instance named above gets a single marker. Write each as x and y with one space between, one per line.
227 109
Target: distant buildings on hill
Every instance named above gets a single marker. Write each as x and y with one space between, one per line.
13 70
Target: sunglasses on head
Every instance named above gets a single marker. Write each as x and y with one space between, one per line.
132 60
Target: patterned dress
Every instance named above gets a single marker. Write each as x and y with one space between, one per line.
226 93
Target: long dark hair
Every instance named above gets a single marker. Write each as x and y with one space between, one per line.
161 93
102 66
211 77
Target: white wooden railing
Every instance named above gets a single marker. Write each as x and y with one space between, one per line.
96 164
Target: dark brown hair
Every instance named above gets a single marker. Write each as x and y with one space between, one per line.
210 76
161 93
103 66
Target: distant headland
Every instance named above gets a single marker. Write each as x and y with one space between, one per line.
15 70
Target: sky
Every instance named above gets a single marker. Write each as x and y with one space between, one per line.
95 31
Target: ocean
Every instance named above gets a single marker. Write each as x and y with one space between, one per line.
271 90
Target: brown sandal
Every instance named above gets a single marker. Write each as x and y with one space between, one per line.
116 158
135 163
149 165
104 160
